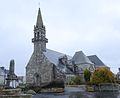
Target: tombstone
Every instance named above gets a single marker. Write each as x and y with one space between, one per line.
11 77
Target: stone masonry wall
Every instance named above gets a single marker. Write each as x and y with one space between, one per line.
39 64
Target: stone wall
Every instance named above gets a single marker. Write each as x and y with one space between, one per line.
40 66
13 93
16 96
107 87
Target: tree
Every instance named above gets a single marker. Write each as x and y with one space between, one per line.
102 75
87 75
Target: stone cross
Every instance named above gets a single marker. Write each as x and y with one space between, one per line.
12 65
11 77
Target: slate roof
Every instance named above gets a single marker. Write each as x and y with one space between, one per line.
81 58
94 59
53 56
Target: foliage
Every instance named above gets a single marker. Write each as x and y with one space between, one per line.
87 75
55 84
75 80
102 75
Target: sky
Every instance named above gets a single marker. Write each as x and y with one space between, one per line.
91 26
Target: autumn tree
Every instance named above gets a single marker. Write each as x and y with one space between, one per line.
102 75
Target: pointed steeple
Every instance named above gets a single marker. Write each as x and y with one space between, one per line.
39 22
39 39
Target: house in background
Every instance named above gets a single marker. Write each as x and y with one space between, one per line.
118 75
3 75
83 62
78 64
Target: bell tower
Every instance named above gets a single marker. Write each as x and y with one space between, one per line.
35 66
39 39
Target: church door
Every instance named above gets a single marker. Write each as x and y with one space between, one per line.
37 79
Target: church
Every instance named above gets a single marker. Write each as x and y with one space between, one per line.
46 65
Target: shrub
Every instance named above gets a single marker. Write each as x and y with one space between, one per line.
102 75
87 75
75 80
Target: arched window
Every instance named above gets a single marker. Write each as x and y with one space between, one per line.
35 35
38 34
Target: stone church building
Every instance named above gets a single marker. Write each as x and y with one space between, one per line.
46 65
39 68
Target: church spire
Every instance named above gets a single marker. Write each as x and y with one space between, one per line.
39 22
39 39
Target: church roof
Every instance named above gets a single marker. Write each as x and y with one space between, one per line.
53 56
39 22
81 58
94 59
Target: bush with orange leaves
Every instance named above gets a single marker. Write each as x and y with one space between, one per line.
102 75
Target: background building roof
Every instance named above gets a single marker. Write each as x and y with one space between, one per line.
94 59
81 58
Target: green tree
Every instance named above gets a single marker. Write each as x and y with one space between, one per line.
102 75
87 75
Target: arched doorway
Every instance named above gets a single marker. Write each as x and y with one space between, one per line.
37 79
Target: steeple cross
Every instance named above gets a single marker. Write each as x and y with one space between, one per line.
39 4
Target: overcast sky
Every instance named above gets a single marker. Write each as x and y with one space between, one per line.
92 26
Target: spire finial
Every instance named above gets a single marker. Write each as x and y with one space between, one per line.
39 4
39 22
